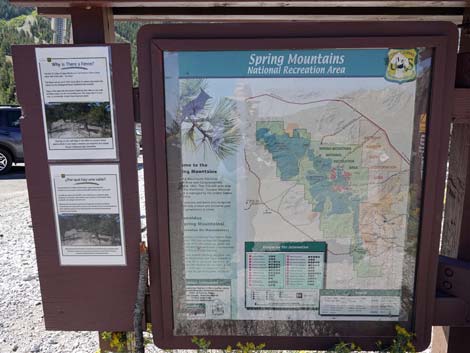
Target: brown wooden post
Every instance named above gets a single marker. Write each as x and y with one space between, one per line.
456 232
92 25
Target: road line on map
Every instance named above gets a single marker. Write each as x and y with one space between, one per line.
339 101
280 215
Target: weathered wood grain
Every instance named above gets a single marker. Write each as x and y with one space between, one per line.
451 340
461 111
458 166
276 3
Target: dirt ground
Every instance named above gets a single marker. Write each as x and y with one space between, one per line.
21 316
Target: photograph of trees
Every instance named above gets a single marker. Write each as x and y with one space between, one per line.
90 229
78 120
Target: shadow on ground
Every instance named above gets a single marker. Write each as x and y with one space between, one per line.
16 172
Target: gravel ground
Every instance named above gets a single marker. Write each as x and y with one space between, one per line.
21 317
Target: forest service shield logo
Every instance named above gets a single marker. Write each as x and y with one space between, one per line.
401 65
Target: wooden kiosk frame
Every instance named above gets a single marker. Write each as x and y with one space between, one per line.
68 294
153 40
74 282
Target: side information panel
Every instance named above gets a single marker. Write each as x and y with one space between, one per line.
88 214
86 231
77 102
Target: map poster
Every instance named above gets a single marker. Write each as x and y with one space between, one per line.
295 181
77 102
88 214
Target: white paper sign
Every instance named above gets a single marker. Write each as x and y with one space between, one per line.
77 102
88 212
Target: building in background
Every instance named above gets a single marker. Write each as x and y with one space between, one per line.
59 26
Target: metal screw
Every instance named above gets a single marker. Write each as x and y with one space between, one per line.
449 272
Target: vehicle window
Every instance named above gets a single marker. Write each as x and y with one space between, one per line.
13 118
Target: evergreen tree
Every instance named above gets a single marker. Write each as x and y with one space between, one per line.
8 11
38 31
13 31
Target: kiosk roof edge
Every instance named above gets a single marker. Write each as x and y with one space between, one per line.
243 3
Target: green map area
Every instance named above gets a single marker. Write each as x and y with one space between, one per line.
334 182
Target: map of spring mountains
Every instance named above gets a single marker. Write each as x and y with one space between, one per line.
335 170
310 173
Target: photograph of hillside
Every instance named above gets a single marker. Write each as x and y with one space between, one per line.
90 229
78 120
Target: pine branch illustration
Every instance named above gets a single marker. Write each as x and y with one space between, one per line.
225 133
189 89
189 138
208 126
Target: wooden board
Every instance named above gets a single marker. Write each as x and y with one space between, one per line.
185 3
88 298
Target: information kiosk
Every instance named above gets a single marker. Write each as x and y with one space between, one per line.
294 179
294 170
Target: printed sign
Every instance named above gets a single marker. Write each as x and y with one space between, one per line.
87 203
284 275
297 174
206 299
77 102
353 302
